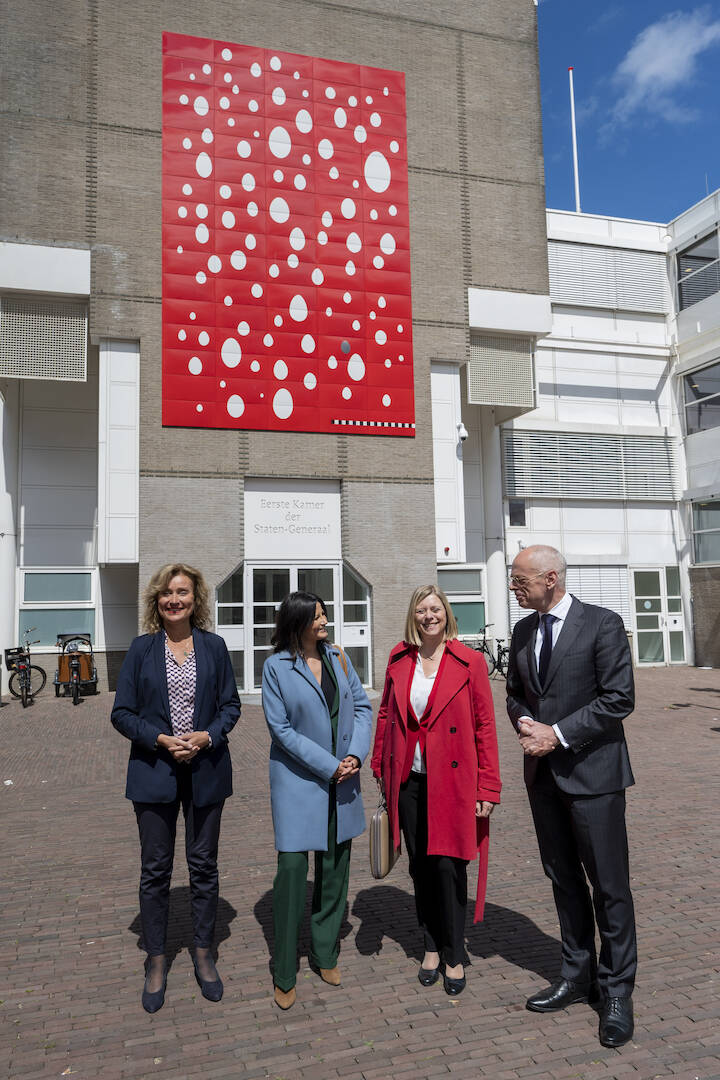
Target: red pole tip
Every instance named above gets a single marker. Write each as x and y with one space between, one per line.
571 69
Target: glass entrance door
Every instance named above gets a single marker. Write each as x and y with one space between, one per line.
659 623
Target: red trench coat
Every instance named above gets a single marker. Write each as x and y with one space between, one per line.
461 753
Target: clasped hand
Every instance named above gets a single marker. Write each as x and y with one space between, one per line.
184 747
535 738
347 767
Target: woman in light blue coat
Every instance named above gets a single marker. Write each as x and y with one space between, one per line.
320 722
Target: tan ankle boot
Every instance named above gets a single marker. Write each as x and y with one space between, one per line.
330 975
285 999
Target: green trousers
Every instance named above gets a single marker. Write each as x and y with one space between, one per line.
332 873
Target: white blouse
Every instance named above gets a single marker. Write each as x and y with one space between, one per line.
420 691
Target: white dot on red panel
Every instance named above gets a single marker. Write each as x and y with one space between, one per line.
356 324
352 100
255 70
330 92
381 301
223 384
377 172
280 370
356 367
244 148
274 270
374 215
356 183
346 393
306 93
378 262
236 88
327 219
238 260
227 301
394 146
317 277
375 119
388 362
278 320
182 211
201 210
307 344
187 189
187 143
183 99
300 182
354 243
387 243
297 239
225 191
231 352
257 290
298 308
386 400
333 173
360 134
306 159
279 142
328 311
350 267
224 102
401 357
179 249
268 341
368 100
400 328
181 335
392 210
206 69
385 91
275 63
347 297
248 181
226 54
283 404
207 135
214 264
201 277
332 362
227 77
250 242
195 365
310 381
373 315
198 408
252 105
252 209
340 118
278 95
200 105
296 74
228 219
235 405
322 237
255 365
347 208
193 315
243 329
231 122
292 260
203 165
278 176
303 121
203 338
380 337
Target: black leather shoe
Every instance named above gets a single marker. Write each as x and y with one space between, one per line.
428 976
151 1002
453 987
212 990
559 995
616 1021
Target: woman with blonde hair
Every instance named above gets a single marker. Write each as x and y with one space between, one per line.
436 756
176 701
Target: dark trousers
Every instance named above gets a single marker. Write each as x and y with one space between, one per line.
440 881
332 874
579 836
157 823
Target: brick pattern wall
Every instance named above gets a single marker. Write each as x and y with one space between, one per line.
705 589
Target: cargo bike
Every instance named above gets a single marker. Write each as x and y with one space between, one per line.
76 671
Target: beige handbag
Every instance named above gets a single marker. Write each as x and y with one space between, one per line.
383 854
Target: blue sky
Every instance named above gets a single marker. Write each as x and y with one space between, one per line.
647 97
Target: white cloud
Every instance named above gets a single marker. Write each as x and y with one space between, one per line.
661 63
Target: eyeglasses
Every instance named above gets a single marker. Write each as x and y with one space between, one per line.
520 581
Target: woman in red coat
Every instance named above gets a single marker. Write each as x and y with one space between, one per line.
436 755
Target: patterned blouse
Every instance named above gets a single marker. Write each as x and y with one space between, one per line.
181 691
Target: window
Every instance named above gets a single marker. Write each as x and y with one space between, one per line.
516 512
702 399
464 590
706 532
56 602
698 271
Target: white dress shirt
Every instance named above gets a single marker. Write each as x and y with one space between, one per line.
560 611
420 691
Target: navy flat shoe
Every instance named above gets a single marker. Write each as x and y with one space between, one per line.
212 990
453 987
428 976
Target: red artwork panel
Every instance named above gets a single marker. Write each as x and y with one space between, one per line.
286 242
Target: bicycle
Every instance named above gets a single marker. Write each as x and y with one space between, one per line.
495 661
27 679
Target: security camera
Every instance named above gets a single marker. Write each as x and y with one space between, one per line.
462 432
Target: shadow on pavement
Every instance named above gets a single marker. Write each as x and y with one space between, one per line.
180 932
388 912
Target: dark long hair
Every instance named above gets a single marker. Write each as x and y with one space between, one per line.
296 613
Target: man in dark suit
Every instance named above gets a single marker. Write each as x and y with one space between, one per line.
570 685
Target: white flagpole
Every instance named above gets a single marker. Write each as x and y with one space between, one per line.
574 142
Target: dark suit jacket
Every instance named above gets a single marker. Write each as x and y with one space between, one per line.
588 691
142 712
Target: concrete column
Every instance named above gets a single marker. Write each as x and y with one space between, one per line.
9 414
495 556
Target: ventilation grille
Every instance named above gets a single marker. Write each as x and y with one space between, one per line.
500 371
608 277
43 339
606 586
586 466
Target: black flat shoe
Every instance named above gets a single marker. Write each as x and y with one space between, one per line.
212 990
428 976
151 1002
560 994
616 1021
453 987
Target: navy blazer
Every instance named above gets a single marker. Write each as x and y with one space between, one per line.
142 712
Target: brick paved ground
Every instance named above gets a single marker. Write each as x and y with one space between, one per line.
69 927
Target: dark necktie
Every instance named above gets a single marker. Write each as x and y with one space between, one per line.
546 647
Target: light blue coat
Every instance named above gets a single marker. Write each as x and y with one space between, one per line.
301 759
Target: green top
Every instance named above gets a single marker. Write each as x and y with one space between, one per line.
332 694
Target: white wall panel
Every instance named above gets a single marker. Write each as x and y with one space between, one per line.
447 463
57 546
53 506
603 517
59 429
650 549
118 452
39 467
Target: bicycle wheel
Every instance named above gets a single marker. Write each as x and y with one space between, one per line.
502 660
38 679
14 684
75 691
24 692
489 659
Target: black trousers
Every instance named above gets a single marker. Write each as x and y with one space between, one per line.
440 881
579 836
157 824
